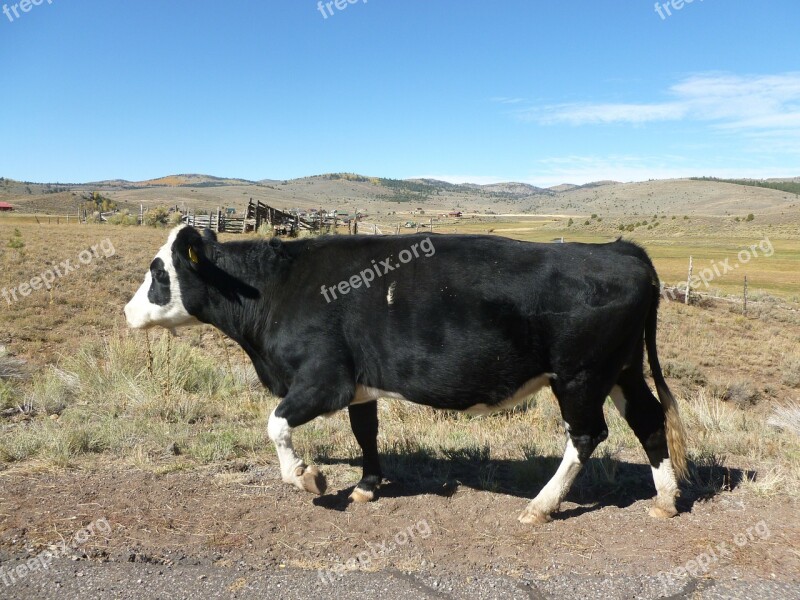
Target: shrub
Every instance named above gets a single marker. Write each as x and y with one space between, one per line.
15 242
124 218
791 372
742 394
157 217
685 370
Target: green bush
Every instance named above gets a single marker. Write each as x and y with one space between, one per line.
15 242
157 217
124 218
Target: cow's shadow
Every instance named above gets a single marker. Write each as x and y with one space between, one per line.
603 482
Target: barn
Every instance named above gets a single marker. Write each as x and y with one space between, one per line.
5 206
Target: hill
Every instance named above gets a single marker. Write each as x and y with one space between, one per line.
349 192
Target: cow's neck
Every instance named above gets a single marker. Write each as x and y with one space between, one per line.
240 313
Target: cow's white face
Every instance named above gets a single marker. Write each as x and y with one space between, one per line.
158 302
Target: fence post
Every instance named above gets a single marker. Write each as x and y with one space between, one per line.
141 214
745 296
689 281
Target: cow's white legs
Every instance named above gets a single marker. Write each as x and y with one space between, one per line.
639 415
667 490
293 469
549 498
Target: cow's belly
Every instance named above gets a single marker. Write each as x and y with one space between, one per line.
528 389
369 394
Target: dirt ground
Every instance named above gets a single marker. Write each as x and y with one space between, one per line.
241 514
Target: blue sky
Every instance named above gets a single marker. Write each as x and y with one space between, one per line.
541 92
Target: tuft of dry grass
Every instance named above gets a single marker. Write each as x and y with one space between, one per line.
787 418
104 399
790 372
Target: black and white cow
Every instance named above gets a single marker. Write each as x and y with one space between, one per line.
468 323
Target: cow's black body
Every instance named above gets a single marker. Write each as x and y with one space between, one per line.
468 325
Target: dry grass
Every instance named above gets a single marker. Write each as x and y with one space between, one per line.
787 418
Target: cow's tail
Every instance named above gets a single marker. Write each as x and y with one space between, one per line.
676 436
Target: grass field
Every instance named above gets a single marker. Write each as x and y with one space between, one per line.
98 392
774 272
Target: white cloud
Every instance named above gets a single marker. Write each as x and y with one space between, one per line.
580 170
582 114
506 100
585 169
727 102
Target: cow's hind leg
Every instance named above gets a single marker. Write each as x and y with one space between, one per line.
582 409
364 421
645 415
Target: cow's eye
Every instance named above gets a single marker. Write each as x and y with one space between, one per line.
160 275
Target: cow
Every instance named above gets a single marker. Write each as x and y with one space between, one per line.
466 323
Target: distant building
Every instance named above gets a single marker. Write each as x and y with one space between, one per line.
455 213
6 207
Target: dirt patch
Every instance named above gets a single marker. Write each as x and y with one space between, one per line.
243 514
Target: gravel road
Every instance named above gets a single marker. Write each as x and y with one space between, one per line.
105 580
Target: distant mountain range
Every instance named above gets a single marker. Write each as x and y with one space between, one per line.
350 192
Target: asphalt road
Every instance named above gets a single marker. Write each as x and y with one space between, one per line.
70 579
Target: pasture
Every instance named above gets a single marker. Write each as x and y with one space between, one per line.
166 437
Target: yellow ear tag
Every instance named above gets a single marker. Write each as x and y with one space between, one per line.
193 255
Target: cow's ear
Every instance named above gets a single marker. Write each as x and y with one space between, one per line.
190 249
277 246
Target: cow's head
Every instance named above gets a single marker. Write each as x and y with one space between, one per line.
169 295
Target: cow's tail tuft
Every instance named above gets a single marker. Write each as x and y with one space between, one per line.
676 436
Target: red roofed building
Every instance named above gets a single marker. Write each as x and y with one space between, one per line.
5 206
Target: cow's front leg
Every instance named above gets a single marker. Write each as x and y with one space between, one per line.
306 400
293 469
364 421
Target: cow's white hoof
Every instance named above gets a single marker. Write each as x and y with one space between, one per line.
534 517
660 511
362 496
314 481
